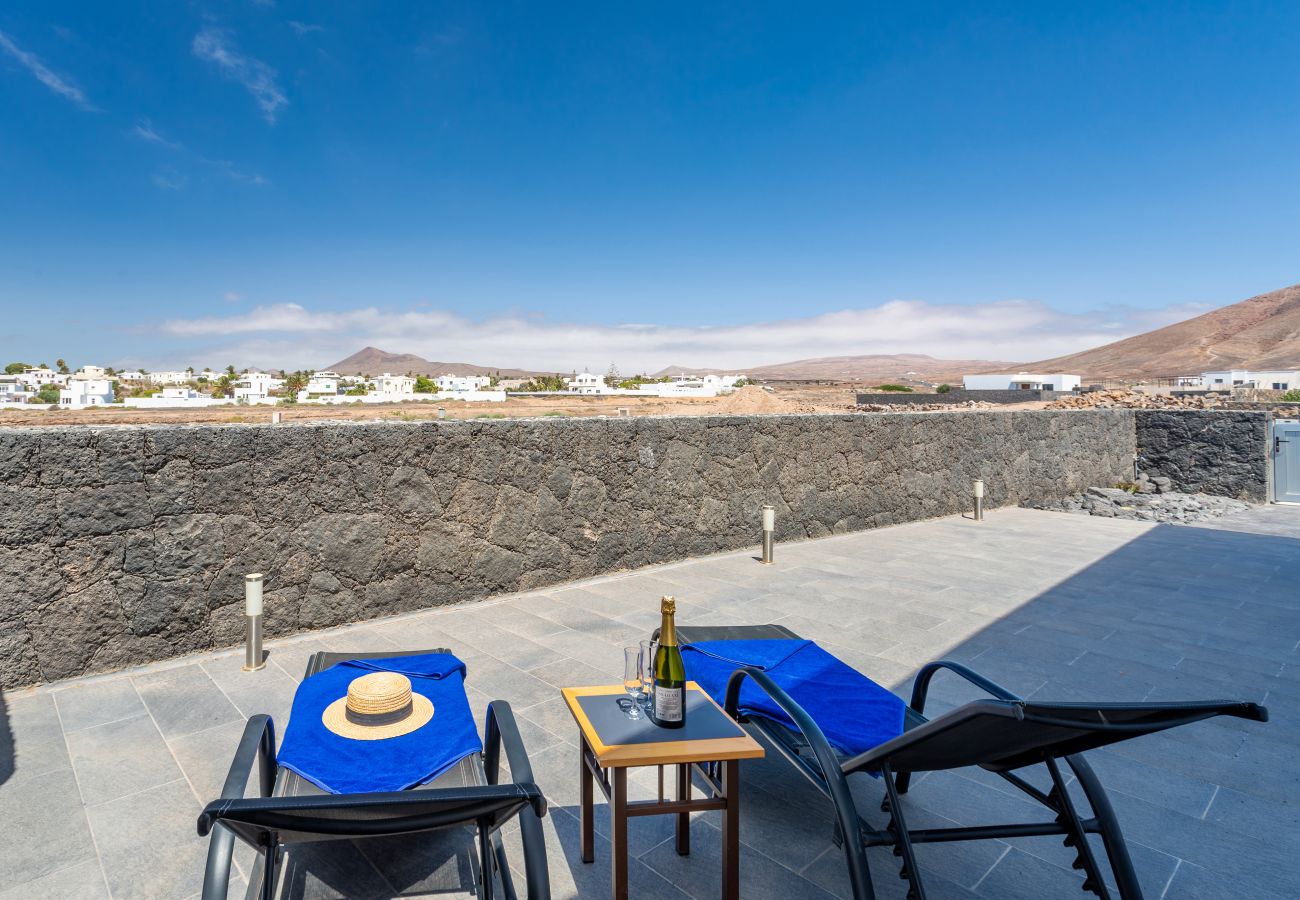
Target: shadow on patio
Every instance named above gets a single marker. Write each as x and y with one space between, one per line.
1175 613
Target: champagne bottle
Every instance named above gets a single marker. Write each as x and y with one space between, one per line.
668 694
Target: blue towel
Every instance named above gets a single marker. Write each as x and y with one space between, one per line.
345 766
853 711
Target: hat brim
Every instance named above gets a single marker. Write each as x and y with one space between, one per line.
335 719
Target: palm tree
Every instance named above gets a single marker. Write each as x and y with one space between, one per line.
63 366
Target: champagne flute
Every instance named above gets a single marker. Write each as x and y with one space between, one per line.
632 679
647 670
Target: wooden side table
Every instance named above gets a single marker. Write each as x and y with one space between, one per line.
711 744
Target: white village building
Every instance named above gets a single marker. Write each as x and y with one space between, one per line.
394 386
1273 380
461 383
14 390
81 393
256 387
587 383
166 378
175 397
1022 381
35 379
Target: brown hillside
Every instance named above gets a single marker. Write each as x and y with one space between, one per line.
373 361
1260 333
878 367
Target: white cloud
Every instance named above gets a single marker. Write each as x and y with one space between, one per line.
169 181
52 80
213 45
289 334
145 131
301 28
233 296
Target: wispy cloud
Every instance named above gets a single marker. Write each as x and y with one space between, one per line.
214 45
304 27
290 334
60 84
169 180
145 131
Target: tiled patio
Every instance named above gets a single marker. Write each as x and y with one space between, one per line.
101 779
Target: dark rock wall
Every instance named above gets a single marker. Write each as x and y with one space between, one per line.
960 395
121 545
1206 452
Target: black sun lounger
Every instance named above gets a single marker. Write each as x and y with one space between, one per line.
1001 735
292 815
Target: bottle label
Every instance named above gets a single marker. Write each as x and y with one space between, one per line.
668 703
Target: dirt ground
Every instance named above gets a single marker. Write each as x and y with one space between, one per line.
746 401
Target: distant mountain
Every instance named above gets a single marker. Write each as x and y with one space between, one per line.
373 361
1260 333
878 367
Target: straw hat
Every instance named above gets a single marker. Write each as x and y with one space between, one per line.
378 706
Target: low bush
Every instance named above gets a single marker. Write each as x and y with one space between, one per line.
900 388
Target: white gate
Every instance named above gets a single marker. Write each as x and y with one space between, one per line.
1286 461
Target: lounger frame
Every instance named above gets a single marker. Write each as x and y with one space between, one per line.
287 810
1053 732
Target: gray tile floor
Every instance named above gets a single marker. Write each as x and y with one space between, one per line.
101 779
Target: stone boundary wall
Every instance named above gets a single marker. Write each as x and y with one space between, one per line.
121 545
1218 452
957 395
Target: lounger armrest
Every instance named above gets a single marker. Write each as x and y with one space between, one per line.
921 687
500 729
837 785
256 744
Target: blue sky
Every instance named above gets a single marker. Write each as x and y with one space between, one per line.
281 183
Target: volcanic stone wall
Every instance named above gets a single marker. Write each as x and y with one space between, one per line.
125 544
1208 452
960 395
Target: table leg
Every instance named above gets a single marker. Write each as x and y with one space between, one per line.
731 830
587 788
618 832
683 819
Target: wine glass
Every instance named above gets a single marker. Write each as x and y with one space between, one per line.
647 670
632 679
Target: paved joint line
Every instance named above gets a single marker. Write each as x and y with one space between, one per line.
76 780
1177 865
172 753
1205 812
991 868
111 722
137 793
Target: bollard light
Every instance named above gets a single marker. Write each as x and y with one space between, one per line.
769 532
979 501
442 412
275 418
253 619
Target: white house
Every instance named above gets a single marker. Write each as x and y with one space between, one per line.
256 387
323 383
1277 380
175 397
461 383
90 373
35 379
395 386
14 390
131 377
1022 381
83 392
587 383
169 377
